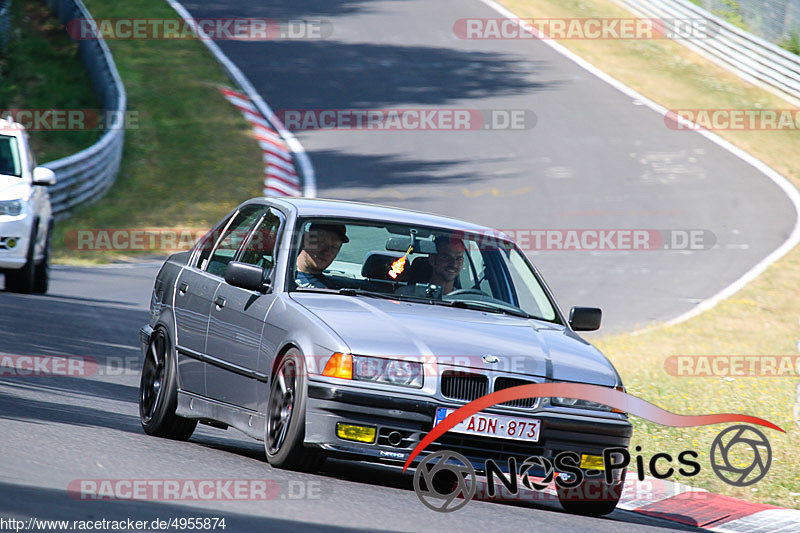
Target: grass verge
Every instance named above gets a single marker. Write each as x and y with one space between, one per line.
191 156
761 319
42 71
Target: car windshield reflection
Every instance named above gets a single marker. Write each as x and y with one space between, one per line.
428 265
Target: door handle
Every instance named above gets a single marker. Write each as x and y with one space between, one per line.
219 302
183 287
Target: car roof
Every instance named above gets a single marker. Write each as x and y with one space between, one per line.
10 128
318 207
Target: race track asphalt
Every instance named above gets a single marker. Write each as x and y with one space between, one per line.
595 159
56 431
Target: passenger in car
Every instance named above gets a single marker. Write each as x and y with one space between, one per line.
320 246
447 262
440 269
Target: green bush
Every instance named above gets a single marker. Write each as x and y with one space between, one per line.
792 43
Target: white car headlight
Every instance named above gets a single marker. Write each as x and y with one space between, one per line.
11 207
392 371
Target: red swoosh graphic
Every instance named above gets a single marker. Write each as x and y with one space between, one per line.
595 393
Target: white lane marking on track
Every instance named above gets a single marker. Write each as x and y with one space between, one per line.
784 184
309 179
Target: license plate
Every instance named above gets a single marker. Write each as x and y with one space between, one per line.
501 426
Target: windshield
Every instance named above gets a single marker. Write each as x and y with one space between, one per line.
9 156
429 265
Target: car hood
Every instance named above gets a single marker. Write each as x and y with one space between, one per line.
13 188
460 337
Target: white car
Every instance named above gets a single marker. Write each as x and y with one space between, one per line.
26 218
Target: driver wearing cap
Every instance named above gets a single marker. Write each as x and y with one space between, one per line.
320 246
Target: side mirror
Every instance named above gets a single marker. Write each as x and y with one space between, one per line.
245 276
43 176
585 318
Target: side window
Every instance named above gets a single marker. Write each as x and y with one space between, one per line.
10 164
476 259
206 246
529 292
260 248
232 239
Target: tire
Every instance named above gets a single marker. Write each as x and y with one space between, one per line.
581 501
158 392
284 430
41 275
23 280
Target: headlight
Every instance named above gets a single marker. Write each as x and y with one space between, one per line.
586 404
375 369
11 207
579 404
392 371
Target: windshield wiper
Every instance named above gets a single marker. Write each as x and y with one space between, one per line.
348 291
487 306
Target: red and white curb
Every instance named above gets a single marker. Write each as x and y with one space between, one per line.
288 143
707 510
281 176
676 502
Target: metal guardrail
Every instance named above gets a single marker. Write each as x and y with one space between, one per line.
751 57
84 177
5 23
774 20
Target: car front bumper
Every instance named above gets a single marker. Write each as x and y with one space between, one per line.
18 230
412 419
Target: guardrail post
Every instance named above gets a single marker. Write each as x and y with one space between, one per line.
84 177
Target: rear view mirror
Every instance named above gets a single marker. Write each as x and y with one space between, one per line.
43 176
246 276
585 318
401 244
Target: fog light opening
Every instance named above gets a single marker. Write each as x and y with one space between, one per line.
592 462
364 434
